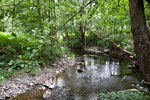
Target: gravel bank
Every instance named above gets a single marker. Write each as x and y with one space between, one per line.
19 84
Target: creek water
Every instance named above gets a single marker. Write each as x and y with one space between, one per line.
91 75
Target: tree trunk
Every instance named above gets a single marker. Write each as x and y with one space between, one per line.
39 13
82 27
45 11
141 36
82 34
49 12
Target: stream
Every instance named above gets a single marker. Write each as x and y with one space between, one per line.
91 75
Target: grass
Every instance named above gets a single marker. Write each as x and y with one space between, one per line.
6 39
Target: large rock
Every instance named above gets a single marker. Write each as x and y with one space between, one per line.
56 94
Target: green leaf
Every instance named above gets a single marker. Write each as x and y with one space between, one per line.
41 41
34 51
11 62
28 48
22 65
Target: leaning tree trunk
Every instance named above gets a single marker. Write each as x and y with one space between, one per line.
141 36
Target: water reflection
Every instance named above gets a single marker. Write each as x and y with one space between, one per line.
35 94
91 75
100 74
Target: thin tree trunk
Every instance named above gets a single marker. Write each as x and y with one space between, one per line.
45 11
13 17
54 12
82 27
141 36
122 26
39 13
49 12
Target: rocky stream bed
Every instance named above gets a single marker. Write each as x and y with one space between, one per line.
19 84
43 84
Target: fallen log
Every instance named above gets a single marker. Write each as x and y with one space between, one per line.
113 43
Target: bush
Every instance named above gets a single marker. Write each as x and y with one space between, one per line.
124 95
28 51
92 40
72 43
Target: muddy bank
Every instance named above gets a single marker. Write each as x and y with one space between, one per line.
19 84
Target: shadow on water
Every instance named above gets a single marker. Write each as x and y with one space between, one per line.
91 75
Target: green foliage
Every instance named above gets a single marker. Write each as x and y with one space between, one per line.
73 42
92 40
5 73
105 17
141 88
28 51
119 39
124 95
143 94
7 39
35 23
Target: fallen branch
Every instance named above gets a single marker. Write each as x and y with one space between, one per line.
113 43
145 83
130 90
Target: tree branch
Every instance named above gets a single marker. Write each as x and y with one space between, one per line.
113 43
13 10
118 3
73 16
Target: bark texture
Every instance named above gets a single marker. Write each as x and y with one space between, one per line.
141 36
